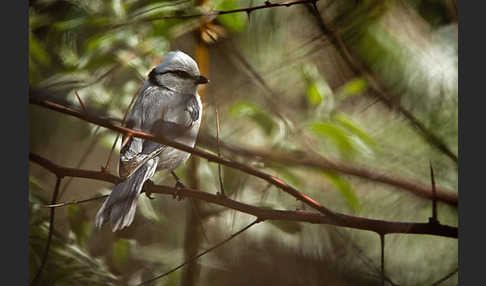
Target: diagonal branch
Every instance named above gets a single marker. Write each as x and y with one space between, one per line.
334 164
211 157
378 226
359 67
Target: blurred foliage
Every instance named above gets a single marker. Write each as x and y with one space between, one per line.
316 106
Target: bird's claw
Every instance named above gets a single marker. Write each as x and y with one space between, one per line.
149 195
178 194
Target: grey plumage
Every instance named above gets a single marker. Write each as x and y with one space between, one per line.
168 105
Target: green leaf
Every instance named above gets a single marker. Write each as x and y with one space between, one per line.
290 227
315 94
38 52
70 24
235 22
336 135
347 123
353 87
247 109
344 189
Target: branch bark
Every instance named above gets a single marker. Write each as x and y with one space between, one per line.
378 226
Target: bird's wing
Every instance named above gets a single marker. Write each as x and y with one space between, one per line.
162 113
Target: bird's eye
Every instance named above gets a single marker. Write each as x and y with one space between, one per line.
182 74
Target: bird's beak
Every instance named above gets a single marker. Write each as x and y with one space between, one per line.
201 80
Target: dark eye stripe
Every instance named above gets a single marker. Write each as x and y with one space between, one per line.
179 73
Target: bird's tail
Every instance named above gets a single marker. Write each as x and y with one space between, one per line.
120 206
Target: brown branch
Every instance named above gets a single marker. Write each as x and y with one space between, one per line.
378 226
123 123
220 177
195 151
80 100
51 230
202 253
75 202
382 244
434 194
334 164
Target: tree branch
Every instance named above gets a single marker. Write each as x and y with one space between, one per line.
213 158
334 164
378 226
358 67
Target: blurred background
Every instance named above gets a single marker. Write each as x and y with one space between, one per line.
368 84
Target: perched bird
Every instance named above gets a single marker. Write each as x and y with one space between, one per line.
169 106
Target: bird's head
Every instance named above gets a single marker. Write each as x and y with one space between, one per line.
178 72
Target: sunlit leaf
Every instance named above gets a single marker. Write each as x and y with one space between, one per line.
336 135
70 24
235 22
353 87
262 118
353 127
37 51
315 95
344 189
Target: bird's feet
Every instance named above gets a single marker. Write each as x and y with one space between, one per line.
178 194
146 188
179 185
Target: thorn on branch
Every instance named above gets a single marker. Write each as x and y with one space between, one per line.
433 219
80 101
382 243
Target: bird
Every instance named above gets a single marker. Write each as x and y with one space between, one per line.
167 105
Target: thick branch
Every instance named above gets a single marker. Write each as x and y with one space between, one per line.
336 165
214 158
378 226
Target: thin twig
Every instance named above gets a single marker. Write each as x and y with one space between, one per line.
75 202
300 158
80 100
215 13
202 253
107 165
214 158
378 226
445 277
221 186
434 218
49 236
382 244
